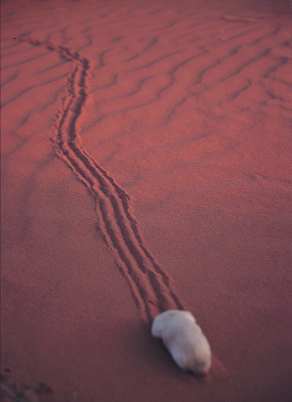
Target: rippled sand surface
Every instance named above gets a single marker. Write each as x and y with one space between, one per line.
146 165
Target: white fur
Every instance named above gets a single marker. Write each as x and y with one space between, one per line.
184 340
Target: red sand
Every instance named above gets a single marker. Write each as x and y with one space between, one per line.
177 117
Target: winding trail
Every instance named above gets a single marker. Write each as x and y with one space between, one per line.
150 286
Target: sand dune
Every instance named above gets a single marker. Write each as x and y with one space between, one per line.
176 117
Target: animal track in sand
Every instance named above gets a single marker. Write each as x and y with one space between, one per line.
150 286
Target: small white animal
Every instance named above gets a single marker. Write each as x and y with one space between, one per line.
184 340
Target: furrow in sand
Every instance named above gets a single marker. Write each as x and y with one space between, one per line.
115 229
73 156
150 286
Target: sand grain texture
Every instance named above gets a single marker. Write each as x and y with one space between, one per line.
177 119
